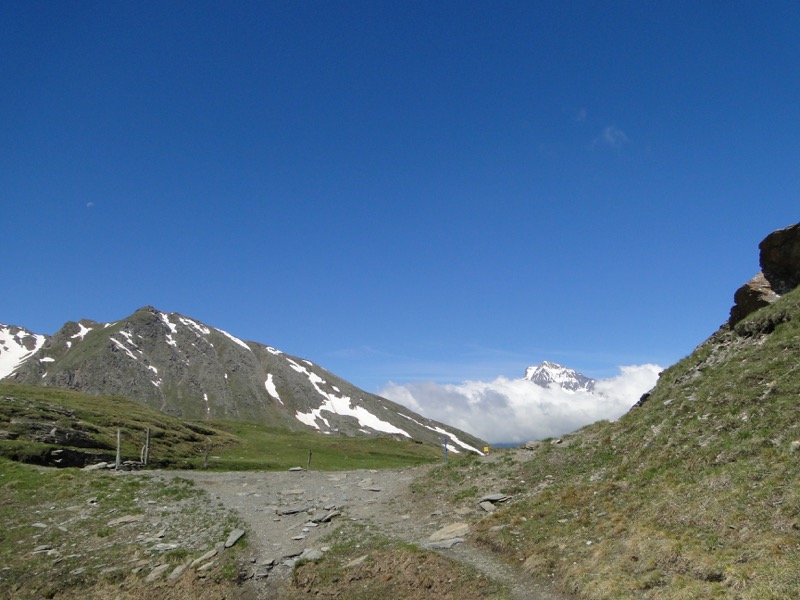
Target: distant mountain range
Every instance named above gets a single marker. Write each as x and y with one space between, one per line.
189 369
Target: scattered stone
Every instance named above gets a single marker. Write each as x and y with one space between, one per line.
311 554
206 566
177 571
156 573
794 446
208 555
296 469
95 467
164 547
356 561
262 571
293 510
297 492
39 525
325 517
450 531
496 497
40 549
488 506
125 520
234 537
444 544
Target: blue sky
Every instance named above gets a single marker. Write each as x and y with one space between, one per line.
399 191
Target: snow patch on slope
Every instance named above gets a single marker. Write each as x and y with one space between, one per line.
449 435
234 339
339 405
82 331
199 329
124 347
271 389
172 328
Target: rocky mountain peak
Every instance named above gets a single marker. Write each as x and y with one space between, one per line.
548 373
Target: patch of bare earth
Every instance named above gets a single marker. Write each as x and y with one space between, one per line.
402 506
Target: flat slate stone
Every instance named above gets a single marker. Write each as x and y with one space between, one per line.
234 537
126 519
495 498
444 544
450 531
293 510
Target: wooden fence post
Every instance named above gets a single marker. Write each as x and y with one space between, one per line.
118 461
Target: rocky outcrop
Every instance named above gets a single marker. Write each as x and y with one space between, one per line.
780 259
753 295
780 273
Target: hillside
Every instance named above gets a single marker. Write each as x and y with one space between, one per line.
185 368
691 494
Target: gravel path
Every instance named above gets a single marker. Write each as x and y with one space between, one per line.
279 508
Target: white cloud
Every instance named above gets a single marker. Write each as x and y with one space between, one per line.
517 410
612 137
89 204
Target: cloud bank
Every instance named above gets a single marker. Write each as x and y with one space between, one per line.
517 410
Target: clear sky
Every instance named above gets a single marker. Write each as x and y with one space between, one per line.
399 191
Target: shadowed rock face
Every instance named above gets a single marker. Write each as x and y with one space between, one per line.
780 273
780 259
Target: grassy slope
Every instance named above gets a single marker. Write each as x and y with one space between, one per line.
692 495
183 444
57 539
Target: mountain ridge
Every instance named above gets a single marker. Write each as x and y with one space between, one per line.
186 368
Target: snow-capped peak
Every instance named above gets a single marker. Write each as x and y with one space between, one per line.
16 345
549 373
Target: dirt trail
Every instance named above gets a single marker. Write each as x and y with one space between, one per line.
278 506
